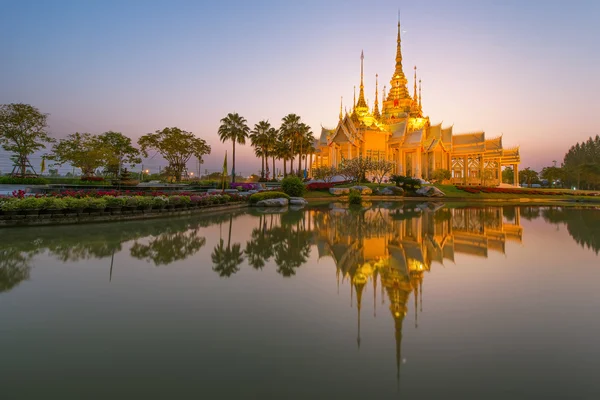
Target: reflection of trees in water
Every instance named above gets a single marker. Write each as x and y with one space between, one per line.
282 237
169 247
227 260
582 224
530 213
14 268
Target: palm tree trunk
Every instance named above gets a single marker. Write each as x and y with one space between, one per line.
284 168
233 165
300 159
274 174
262 172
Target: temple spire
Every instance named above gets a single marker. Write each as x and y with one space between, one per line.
420 97
354 101
376 113
362 104
398 89
415 86
341 114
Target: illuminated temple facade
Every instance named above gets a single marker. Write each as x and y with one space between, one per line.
402 134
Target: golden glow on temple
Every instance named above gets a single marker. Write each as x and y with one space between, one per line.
401 133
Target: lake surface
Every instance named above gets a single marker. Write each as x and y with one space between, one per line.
390 300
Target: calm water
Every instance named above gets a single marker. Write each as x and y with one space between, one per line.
388 301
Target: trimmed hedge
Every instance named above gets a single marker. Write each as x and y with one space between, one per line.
256 197
10 180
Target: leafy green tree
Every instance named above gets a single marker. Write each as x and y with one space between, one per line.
81 150
22 131
528 176
233 127
119 151
324 174
380 168
579 163
176 146
508 175
552 174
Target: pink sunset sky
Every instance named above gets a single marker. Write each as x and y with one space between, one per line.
526 70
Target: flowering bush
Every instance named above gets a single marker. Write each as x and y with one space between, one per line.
92 179
244 186
159 201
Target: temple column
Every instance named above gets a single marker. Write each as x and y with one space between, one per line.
499 173
465 169
482 170
516 173
419 165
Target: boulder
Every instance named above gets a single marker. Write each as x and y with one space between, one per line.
231 191
430 191
296 207
362 189
298 201
339 191
391 191
214 191
280 202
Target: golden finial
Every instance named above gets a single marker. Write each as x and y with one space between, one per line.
415 88
362 104
354 101
341 115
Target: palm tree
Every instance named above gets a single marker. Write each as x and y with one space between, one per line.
270 145
283 148
234 127
258 139
290 130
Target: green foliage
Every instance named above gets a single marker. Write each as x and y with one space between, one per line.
176 146
22 131
407 183
9 204
159 201
582 164
528 176
112 201
10 180
98 203
552 174
30 203
75 203
508 175
53 203
354 197
81 150
380 169
256 197
293 186
119 151
440 175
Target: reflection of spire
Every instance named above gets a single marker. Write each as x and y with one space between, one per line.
375 293
359 282
337 277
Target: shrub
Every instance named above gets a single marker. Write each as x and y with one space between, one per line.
293 186
354 197
98 203
159 201
112 201
256 197
440 175
319 186
75 203
30 203
406 182
53 203
143 201
9 204
13 180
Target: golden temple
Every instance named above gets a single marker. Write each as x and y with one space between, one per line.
402 134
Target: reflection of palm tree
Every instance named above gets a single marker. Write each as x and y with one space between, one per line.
14 268
291 246
169 247
226 260
258 248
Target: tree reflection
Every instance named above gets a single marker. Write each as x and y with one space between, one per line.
169 247
14 268
227 260
583 224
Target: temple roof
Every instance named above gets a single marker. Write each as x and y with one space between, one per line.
435 131
447 135
398 129
414 138
468 143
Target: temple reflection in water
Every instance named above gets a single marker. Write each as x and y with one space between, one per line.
393 247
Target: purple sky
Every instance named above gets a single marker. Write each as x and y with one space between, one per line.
524 69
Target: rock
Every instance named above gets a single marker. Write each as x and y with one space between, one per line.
252 191
231 191
296 207
214 191
298 201
339 191
392 191
280 202
362 189
430 191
